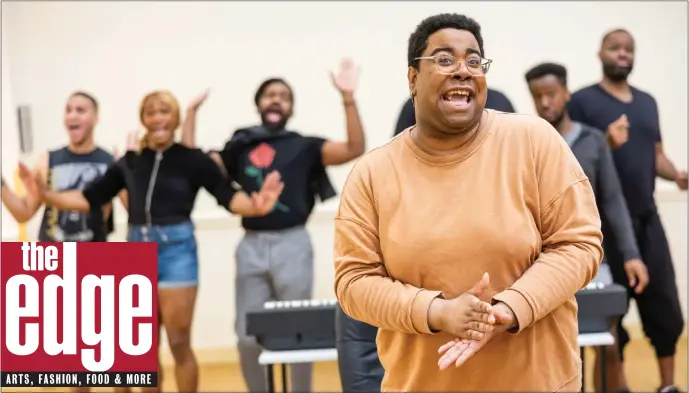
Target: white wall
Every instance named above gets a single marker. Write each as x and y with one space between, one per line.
10 139
121 50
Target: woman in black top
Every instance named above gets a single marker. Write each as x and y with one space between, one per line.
162 180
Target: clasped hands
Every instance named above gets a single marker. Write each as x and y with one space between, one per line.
473 321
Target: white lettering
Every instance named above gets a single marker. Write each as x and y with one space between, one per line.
13 313
51 255
36 258
128 312
139 379
106 338
26 259
97 379
68 282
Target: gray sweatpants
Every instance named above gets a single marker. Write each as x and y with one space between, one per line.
271 265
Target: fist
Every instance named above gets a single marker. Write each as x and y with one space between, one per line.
618 132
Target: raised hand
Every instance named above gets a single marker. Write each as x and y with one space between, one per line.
28 178
133 141
458 351
115 153
41 184
196 103
265 199
466 316
347 77
618 132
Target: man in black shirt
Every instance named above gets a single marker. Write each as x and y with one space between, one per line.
275 257
548 86
496 100
629 117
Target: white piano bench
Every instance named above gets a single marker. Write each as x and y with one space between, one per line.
597 340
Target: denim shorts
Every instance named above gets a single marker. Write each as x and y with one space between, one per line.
178 262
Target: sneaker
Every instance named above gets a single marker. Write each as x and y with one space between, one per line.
669 389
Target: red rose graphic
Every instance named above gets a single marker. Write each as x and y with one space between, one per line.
262 156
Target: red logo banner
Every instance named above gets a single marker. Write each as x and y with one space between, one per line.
79 314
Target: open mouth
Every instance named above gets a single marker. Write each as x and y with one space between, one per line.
458 98
273 116
160 131
73 127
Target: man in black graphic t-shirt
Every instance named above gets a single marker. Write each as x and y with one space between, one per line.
275 256
70 167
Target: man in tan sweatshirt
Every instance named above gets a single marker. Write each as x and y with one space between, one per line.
473 224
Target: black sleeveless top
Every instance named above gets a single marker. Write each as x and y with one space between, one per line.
72 171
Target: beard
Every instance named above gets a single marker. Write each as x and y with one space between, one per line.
268 121
557 120
616 73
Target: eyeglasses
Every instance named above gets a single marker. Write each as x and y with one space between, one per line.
448 64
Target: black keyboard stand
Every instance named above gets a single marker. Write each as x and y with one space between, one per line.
271 378
599 345
603 368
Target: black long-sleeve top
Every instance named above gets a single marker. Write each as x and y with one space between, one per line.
162 187
595 158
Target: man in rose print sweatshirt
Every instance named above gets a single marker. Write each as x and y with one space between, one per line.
275 256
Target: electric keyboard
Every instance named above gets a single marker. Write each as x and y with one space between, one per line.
294 324
310 324
600 306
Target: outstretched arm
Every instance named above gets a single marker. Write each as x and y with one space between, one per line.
208 174
337 153
258 204
25 207
96 194
189 125
67 200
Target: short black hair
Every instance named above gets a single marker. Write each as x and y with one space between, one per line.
87 96
262 88
543 69
418 41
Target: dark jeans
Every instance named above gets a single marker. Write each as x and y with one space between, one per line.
360 369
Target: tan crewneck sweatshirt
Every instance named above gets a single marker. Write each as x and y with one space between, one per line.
411 226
